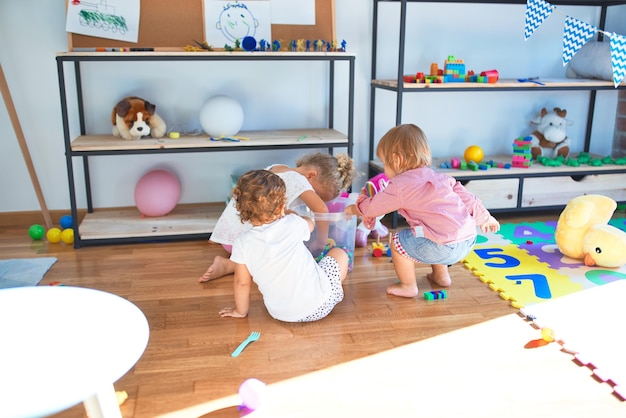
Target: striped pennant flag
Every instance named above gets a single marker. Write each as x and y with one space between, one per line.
536 12
575 34
618 57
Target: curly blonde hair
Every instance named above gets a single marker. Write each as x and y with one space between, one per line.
335 173
404 147
260 196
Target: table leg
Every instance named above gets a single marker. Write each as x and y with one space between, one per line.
103 404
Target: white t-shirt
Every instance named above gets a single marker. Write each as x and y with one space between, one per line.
293 285
229 226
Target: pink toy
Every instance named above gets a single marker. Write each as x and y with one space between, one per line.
373 186
157 193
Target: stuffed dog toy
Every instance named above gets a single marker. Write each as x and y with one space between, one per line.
134 117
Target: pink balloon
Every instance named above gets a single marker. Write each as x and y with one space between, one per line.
157 193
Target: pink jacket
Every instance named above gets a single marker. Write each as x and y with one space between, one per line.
435 206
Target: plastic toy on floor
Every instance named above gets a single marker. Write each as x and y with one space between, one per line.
379 249
373 186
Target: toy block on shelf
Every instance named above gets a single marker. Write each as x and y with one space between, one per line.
521 152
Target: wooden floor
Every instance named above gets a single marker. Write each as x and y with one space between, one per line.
187 362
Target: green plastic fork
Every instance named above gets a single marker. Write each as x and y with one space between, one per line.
254 335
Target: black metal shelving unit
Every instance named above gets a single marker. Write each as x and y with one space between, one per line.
401 89
87 146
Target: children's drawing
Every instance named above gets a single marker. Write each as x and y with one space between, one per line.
112 19
293 12
226 23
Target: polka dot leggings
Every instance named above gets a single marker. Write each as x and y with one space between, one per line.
331 268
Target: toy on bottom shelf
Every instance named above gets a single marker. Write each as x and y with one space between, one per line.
373 186
472 165
522 156
582 232
474 153
550 137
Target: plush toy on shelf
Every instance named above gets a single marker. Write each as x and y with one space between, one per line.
550 137
583 233
134 117
373 186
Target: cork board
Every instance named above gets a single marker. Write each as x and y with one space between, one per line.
173 24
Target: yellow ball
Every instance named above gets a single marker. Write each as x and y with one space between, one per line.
53 235
547 334
474 153
67 236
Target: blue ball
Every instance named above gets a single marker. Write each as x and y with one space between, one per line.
66 221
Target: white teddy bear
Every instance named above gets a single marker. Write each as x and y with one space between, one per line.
550 137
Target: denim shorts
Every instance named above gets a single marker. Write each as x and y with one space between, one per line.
423 250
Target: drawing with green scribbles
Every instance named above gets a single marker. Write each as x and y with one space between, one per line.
236 22
101 16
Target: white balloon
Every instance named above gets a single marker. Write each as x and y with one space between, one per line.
221 116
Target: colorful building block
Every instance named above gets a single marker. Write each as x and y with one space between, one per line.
435 294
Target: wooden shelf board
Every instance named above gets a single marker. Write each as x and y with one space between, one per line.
176 52
274 138
129 223
503 83
535 168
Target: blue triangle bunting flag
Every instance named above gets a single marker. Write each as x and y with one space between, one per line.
618 57
536 12
575 34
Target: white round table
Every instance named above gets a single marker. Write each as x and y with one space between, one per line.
62 345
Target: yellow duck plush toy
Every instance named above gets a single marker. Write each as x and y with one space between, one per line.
582 232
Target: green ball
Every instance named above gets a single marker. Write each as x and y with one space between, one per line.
36 231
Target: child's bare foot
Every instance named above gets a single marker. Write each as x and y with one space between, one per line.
405 291
221 267
441 278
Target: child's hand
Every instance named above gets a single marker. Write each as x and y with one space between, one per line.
352 210
492 225
232 312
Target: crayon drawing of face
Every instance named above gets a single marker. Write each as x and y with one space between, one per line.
236 22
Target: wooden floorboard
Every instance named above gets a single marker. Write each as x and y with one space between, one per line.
188 363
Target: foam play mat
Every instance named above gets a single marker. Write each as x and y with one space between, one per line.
523 264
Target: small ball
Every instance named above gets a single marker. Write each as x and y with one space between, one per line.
547 334
248 43
67 236
53 235
221 116
252 392
474 153
157 193
36 232
66 221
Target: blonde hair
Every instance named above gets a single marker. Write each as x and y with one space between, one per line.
260 196
334 173
404 147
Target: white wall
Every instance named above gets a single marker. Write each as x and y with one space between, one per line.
282 95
